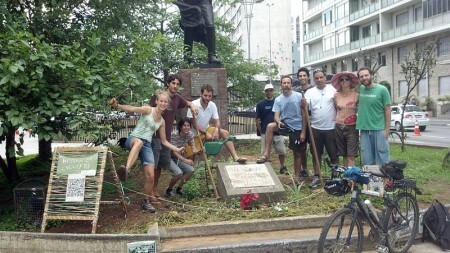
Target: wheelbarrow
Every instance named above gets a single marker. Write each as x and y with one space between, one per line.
213 147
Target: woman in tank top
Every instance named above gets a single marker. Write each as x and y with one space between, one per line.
139 142
346 101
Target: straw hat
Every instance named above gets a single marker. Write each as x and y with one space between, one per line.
354 81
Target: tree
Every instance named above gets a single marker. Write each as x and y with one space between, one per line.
368 58
417 65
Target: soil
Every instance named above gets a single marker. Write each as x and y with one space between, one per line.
112 220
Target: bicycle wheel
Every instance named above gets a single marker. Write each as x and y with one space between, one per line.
446 161
396 137
342 232
401 221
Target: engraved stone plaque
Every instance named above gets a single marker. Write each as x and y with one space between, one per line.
235 179
200 79
252 175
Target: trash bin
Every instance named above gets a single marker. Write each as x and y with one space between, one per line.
29 201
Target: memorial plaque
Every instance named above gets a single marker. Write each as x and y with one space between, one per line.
252 175
200 79
235 179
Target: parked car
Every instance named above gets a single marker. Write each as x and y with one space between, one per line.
412 113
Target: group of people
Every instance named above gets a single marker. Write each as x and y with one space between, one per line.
339 115
149 139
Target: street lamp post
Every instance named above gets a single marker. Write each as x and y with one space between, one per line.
248 9
270 43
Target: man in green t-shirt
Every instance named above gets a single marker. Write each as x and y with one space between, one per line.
374 119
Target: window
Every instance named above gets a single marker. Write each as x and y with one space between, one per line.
382 58
420 47
423 88
344 65
327 18
444 46
401 54
334 68
324 68
366 31
328 43
444 85
342 11
401 19
418 14
434 7
354 65
354 33
368 62
402 88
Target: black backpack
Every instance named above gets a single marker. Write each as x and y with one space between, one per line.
436 224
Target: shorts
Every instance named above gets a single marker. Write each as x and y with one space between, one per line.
374 147
347 140
178 167
146 152
161 154
325 138
277 143
295 143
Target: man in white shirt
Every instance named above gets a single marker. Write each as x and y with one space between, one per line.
207 110
320 100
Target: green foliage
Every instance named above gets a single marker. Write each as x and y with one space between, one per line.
193 187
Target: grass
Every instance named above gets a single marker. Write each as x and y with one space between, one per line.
424 165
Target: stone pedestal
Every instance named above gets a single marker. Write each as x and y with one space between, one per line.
194 79
235 179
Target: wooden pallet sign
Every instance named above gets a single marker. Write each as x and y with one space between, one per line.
75 185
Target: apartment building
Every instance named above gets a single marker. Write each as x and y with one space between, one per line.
262 29
335 32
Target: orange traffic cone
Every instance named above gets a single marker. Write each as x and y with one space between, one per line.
416 129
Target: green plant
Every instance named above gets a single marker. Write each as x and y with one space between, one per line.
193 187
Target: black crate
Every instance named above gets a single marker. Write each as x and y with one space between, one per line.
29 201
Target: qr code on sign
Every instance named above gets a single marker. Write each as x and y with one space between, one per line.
75 187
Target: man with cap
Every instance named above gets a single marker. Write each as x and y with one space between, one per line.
346 101
288 114
264 116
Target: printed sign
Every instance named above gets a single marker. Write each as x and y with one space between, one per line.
249 176
84 163
75 188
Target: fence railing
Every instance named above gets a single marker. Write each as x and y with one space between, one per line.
236 125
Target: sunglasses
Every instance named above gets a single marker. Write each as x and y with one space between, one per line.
269 90
344 79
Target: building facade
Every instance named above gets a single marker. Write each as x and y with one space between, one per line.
344 35
262 29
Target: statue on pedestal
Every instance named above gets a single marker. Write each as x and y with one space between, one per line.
197 22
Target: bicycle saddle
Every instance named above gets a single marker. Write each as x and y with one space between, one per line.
394 169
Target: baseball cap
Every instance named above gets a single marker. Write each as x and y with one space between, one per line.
268 86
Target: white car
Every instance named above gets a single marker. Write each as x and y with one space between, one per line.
412 113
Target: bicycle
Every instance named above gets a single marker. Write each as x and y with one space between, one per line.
396 137
395 228
446 161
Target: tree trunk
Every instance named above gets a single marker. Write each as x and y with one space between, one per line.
10 167
45 150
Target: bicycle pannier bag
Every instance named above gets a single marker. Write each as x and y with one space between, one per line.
436 225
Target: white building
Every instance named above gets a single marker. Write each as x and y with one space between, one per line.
335 30
270 29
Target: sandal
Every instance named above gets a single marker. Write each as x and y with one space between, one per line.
241 160
261 159
154 200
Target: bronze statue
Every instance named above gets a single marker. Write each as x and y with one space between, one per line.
197 22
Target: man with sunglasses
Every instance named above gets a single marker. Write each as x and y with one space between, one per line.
265 116
320 101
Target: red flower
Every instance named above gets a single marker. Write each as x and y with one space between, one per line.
248 199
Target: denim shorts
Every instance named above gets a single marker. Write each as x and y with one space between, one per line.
146 152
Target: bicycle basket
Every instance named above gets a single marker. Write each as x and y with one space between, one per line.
394 169
337 187
356 174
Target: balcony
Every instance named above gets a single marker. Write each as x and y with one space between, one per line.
402 31
313 34
342 22
386 3
364 12
365 42
319 56
316 10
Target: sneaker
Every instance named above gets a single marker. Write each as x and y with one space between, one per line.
170 193
284 170
315 182
122 172
180 191
147 206
304 174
